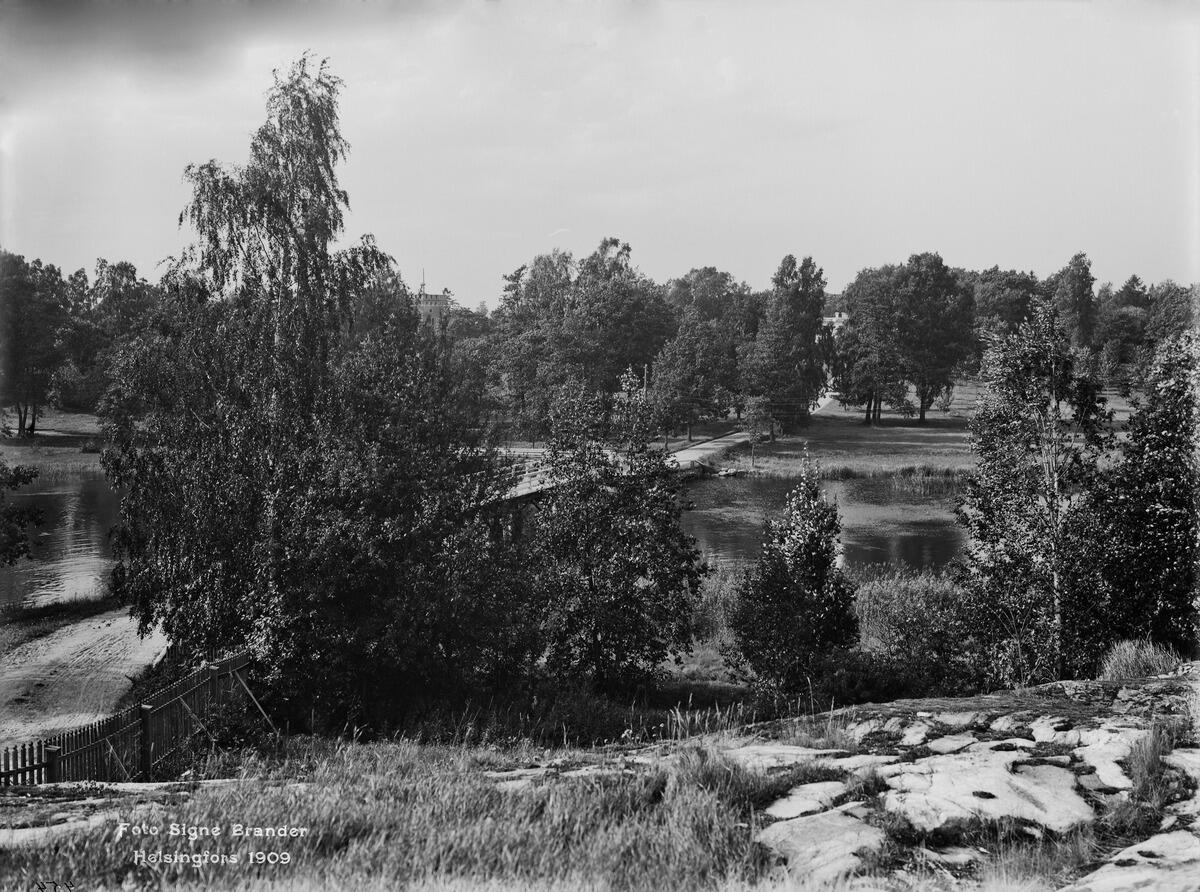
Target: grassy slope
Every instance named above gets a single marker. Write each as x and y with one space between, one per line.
401 812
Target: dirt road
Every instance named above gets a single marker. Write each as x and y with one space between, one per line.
71 677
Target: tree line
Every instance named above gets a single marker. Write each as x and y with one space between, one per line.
707 346
704 344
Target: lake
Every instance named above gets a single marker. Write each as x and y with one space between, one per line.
71 550
882 522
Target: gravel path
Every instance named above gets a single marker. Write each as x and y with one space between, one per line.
71 677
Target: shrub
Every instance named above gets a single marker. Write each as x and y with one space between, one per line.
795 605
1137 659
916 623
617 578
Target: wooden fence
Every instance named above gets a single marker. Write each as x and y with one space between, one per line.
131 744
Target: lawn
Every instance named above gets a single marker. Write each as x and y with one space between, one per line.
57 449
845 447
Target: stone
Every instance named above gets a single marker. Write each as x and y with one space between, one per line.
944 791
517 779
17 837
1186 760
862 764
1006 724
1104 747
768 756
915 734
859 730
1054 729
1009 743
806 799
951 744
823 848
959 719
1168 862
952 856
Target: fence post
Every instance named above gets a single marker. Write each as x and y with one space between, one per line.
53 775
215 683
147 749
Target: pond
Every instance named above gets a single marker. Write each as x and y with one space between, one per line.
883 520
881 523
71 549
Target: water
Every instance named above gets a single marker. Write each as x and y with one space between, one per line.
881 523
71 549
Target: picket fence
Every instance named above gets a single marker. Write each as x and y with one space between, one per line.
132 744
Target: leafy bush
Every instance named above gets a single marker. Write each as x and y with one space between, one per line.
1137 659
616 576
1142 582
917 623
795 605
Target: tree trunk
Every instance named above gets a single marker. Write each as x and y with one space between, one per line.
33 417
689 432
870 406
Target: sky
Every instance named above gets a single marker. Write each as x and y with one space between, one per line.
729 134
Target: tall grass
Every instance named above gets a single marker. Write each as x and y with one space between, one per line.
411 814
787 466
1137 659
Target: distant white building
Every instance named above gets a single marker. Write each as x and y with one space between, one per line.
836 321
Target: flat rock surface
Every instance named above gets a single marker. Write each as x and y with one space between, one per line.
806 799
1168 862
941 792
769 756
951 744
822 848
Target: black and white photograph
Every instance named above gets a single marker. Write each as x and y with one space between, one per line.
600 445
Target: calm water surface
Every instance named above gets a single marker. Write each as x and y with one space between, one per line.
71 548
880 523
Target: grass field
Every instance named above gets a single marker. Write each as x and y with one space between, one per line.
57 449
897 446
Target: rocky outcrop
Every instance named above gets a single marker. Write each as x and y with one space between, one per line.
905 787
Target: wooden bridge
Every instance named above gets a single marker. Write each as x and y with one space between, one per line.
531 474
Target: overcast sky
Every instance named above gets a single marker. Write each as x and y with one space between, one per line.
703 133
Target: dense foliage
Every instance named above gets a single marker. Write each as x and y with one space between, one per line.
1144 514
617 577
15 519
1038 432
294 483
795 605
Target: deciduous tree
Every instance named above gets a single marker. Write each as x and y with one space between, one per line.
617 575
795 605
1038 432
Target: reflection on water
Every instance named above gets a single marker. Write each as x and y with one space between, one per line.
881 523
71 549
